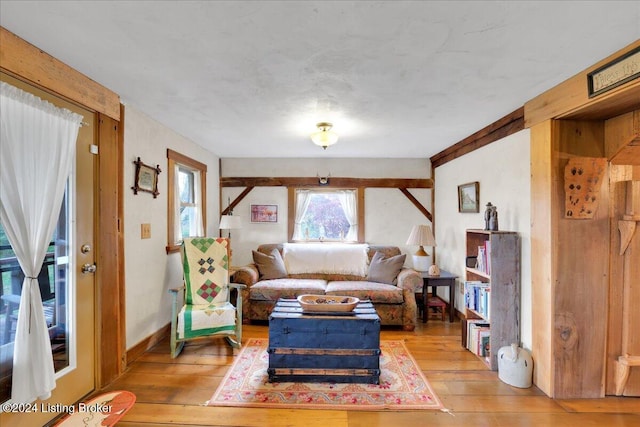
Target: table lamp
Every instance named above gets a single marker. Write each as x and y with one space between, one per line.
421 235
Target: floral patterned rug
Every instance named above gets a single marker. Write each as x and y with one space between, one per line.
402 386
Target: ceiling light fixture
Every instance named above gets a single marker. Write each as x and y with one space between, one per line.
324 137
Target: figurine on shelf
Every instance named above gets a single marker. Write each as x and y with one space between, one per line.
493 219
487 216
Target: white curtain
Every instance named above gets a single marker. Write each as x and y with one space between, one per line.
37 152
303 197
198 226
349 205
177 201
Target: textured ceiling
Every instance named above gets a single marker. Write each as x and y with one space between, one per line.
397 78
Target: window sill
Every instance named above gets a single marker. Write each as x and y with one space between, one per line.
173 249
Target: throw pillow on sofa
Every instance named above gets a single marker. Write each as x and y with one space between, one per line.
270 266
385 270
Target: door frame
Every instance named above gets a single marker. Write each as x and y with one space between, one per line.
26 62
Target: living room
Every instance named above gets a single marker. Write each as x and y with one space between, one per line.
501 168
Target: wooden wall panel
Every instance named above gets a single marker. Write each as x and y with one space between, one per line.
110 297
620 131
617 204
580 273
542 256
631 314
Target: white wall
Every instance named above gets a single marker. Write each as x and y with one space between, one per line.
149 271
389 215
503 171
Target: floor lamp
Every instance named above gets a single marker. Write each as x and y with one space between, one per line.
230 222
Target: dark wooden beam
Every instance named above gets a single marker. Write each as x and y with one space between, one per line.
417 204
334 182
508 125
237 200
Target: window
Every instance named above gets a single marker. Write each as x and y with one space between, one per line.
54 286
186 199
327 215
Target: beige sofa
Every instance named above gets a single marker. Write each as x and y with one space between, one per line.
394 301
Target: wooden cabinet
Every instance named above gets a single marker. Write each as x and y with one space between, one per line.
493 259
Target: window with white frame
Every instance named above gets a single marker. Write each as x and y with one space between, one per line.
187 199
326 215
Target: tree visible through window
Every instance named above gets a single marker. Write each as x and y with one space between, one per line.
326 215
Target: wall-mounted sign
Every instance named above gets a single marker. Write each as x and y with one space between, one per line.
615 73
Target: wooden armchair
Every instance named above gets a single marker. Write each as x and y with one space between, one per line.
207 309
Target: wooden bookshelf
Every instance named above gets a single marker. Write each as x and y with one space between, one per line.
501 271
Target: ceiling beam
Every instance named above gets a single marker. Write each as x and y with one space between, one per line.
333 182
509 124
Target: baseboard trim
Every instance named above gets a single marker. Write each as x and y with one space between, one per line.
138 350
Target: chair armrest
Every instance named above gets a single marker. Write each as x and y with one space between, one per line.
247 275
408 278
237 286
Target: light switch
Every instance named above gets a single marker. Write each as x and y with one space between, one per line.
145 231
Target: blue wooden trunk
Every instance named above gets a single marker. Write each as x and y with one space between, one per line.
324 348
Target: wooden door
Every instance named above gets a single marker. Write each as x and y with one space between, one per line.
72 328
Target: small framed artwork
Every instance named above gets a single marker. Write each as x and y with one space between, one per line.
146 178
468 197
264 213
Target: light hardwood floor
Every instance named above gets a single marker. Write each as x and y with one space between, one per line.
171 392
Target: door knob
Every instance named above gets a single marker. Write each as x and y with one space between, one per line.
89 268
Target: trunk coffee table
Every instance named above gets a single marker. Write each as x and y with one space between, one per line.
337 347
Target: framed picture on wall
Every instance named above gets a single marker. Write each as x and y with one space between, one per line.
264 213
146 178
469 197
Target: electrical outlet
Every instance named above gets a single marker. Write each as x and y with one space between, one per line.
145 231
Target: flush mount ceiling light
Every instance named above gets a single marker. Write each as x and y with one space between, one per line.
324 137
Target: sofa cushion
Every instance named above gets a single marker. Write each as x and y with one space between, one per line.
271 290
385 270
270 266
373 291
325 258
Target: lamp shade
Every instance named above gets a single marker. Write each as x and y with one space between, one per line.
230 222
421 235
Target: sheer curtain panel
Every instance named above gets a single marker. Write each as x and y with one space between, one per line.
303 197
349 204
37 152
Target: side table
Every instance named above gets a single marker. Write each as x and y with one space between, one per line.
444 279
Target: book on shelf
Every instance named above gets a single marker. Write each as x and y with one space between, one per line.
487 256
477 337
477 297
482 259
484 343
485 301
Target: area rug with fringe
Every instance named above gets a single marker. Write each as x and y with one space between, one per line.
402 386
